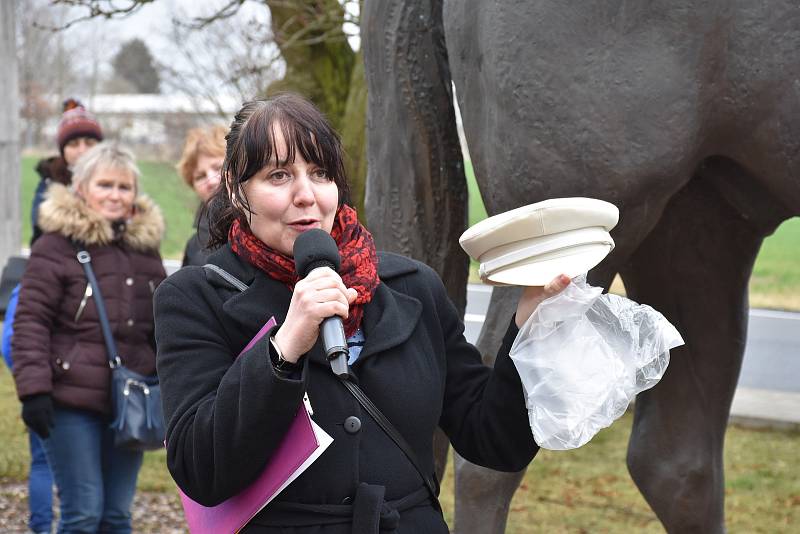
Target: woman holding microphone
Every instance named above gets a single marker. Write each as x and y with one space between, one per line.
282 176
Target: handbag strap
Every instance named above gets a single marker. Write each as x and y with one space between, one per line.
430 481
85 259
232 280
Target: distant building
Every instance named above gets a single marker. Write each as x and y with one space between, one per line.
153 125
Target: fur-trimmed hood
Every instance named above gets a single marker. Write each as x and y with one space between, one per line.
66 213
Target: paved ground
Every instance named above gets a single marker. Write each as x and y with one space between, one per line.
772 355
766 408
153 513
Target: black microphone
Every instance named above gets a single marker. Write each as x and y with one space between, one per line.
313 249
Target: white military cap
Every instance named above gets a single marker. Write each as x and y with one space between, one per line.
529 246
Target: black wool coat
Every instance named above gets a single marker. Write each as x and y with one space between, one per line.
226 415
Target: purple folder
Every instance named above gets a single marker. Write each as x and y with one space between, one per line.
303 444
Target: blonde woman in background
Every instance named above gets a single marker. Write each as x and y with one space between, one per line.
60 361
200 165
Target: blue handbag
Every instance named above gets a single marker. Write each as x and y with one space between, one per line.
138 420
136 399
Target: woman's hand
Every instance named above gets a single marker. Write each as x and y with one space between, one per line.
319 295
534 295
38 413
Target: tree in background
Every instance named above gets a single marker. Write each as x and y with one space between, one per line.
319 63
312 42
135 65
44 65
9 138
54 65
231 55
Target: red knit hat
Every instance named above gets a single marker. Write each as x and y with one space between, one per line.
76 122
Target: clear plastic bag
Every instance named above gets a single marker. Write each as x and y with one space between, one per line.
583 356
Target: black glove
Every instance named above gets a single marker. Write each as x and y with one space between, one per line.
37 412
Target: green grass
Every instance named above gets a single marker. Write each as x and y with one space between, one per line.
476 210
585 490
159 180
776 276
15 458
178 203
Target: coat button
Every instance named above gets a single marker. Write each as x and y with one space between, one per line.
129 322
129 281
352 424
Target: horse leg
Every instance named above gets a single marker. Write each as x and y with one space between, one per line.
483 496
694 267
441 444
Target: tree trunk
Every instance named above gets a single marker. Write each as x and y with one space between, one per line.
354 136
9 137
319 61
321 66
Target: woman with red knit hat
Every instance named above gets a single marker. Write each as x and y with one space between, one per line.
78 131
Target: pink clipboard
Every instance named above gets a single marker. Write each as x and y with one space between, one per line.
303 444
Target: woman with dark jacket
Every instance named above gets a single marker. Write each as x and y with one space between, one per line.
77 132
283 175
60 363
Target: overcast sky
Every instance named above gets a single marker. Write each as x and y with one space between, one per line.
99 39
153 21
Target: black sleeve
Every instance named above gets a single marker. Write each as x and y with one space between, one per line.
38 197
225 415
193 253
484 412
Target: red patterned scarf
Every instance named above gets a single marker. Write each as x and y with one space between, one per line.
359 267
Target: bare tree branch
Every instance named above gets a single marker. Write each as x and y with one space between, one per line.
308 15
95 9
225 12
232 55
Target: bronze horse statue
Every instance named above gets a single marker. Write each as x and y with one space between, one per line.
685 114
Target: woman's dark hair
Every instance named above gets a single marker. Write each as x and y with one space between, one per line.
250 146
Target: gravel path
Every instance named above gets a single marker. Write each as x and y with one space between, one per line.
159 513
